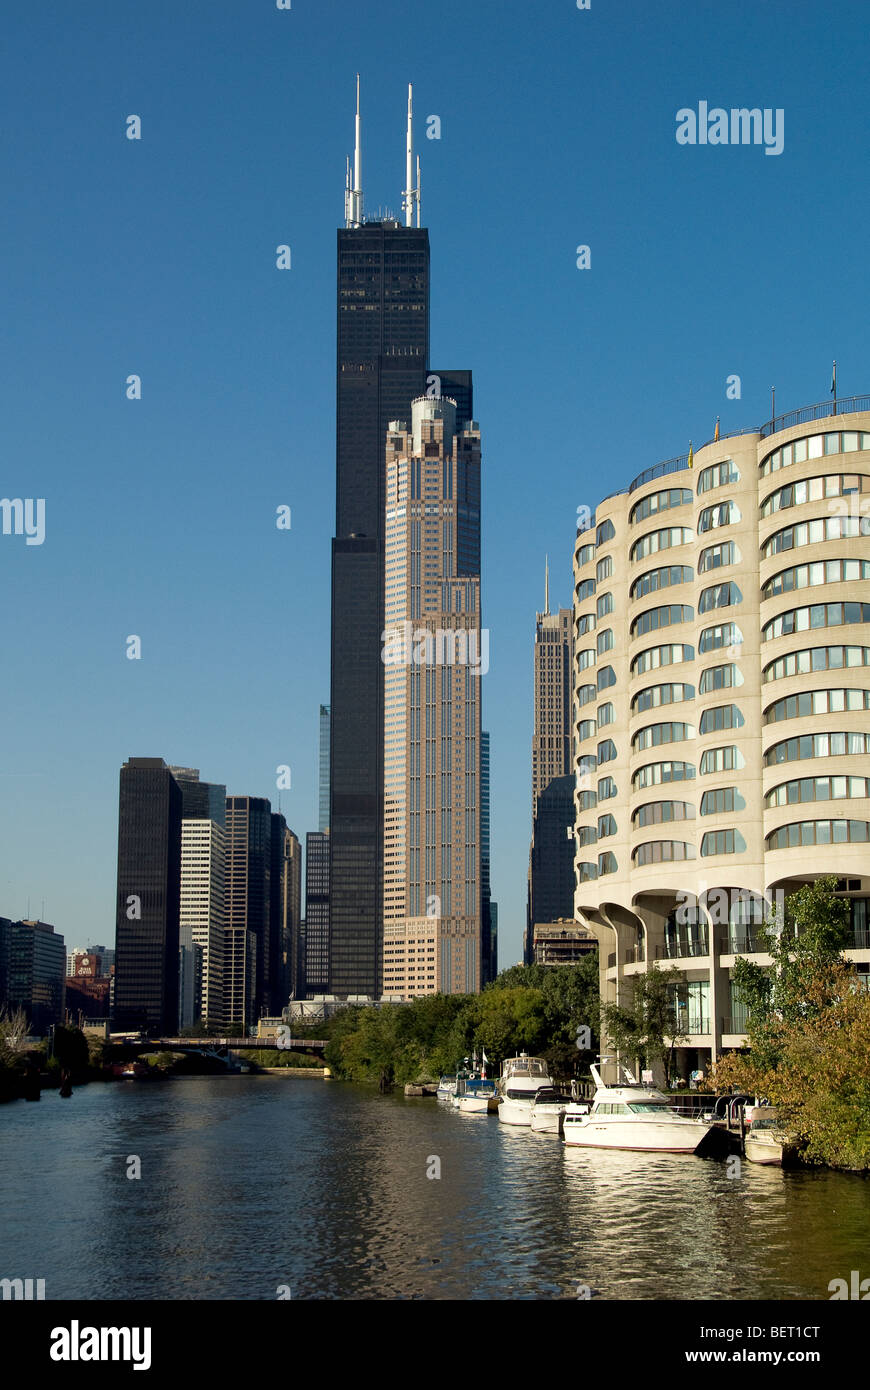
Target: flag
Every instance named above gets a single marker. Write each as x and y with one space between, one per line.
691 455
716 433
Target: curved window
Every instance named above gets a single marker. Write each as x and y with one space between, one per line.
819 572
586 872
725 759
818 789
661 812
655 541
607 864
819 832
666 616
659 502
606 751
604 568
815 659
586 693
606 715
723 799
606 677
606 826
604 532
655 734
721 717
816 702
725 635
585 658
584 555
585 625
817 746
586 835
816 615
606 789
722 842
585 589
605 641
813 446
587 801
604 605
587 728
717 556
717 474
663 578
662 852
719 596
653 774
720 678
656 695
829 528
722 514
671 654
813 490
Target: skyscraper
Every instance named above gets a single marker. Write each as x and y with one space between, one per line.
285 890
202 921
247 956
382 351
323 760
147 909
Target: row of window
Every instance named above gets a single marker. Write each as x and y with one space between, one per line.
816 615
714 842
655 734
818 832
828 528
816 702
657 502
722 514
818 789
662 578
655 695
813 446
819 572
815 659
817 746
813 490
718 474
666 616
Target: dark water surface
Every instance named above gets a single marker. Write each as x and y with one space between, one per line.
249 1183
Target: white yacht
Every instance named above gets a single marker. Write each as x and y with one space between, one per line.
632 1116
521 1079
765 1141
446 1088
478 1097
548 1108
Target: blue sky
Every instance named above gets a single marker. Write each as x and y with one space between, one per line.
157 257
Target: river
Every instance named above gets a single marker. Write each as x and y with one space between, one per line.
255 1184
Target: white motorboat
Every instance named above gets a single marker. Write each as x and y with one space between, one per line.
765 1141
521 1079
478 1097
632 1116
446 1088
548 1108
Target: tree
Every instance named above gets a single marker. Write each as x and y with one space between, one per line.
646 1028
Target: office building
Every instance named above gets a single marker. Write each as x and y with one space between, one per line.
247 941
316 964
32 966
285 912
202 921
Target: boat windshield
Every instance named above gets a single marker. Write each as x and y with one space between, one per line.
765 1122
644 1107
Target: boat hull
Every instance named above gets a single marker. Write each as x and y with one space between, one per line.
475 1105
547 1122
673 1137
515 1112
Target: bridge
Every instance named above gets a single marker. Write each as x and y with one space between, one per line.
313 1045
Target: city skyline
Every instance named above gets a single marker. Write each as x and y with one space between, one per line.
148 503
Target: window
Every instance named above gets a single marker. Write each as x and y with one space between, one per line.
606 826
725 635
655 734
606 677
653 774
660 812
584 555
606 715
586 835
604 568
606 751
721 800
659 502
720 678
605 532
819 572
813 490
604 605
586 872
585 625
666 616
819 832
809 702
656 695
722 842
816 659
816 746
717 474
587 801
797 451
816 615
717 556
655 541
654 657
606 789
829 528
725 759
607 864
586 693
723 514
585 589
661 852
587 728
721 717
605 641
662 578
719 596
817 789
585 658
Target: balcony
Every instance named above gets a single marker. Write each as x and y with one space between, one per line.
735 1025
634 955
740 943
677 948
849 405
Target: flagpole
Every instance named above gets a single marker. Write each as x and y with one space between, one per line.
772 404
834 385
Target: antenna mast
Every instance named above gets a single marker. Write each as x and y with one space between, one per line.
411 195
353 192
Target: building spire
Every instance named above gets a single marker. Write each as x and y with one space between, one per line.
353 198
411 195
546 586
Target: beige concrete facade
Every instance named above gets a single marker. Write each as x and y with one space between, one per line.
432 707
203 910
722 705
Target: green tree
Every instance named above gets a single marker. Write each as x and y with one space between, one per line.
645 1028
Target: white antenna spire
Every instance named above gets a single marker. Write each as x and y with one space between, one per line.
353 193
419 192
547 586
409 161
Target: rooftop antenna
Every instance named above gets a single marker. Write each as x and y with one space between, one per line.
547 586
411 195
419 192
353 192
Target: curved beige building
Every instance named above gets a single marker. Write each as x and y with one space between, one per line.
722 705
